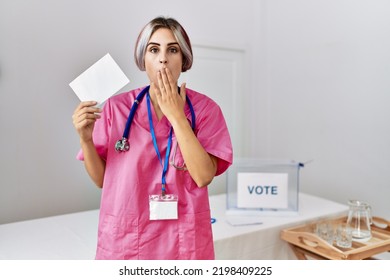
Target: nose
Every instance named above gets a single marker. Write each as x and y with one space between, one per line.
163 59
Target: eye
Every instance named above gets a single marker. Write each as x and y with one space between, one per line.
173 50
153 49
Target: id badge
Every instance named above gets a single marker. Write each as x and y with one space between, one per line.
163 207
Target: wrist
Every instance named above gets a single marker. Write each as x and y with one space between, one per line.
178 123
86 142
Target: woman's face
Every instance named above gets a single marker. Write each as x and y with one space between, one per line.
163 51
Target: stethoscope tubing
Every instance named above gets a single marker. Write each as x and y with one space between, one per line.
123 144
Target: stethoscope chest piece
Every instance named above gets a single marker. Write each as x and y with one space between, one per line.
122 145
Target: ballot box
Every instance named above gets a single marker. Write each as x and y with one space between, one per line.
263 187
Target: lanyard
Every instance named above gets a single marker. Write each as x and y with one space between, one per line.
123 144
165 164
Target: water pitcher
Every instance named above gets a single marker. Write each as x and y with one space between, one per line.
359 219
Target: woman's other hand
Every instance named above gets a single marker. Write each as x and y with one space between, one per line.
169 101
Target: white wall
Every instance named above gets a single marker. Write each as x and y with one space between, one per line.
327 90
317 89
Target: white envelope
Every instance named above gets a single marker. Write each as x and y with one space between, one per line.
100 81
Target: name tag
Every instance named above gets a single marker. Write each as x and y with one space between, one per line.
163 207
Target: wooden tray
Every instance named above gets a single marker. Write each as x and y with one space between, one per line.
305 242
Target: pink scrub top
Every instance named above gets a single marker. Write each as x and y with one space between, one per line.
125 231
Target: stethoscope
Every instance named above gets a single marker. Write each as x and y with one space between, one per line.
123 144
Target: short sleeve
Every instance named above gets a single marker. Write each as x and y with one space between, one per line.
212 132
101 133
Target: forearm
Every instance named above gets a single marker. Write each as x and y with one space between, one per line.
93 163
201 165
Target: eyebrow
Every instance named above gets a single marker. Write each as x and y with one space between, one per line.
158 44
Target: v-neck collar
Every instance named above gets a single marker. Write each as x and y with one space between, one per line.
161 126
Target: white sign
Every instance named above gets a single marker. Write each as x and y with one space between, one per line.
100 81
262 190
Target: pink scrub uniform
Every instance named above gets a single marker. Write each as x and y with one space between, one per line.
125 230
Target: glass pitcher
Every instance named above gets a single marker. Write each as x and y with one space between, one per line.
360 220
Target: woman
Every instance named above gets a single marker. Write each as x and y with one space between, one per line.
151 209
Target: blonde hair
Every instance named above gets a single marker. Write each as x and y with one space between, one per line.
178 31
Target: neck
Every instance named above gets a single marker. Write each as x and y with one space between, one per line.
156 107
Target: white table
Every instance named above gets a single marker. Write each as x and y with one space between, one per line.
73 236
263 241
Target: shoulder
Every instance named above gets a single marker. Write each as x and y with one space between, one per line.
207 111
122 100
201 101
127 97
